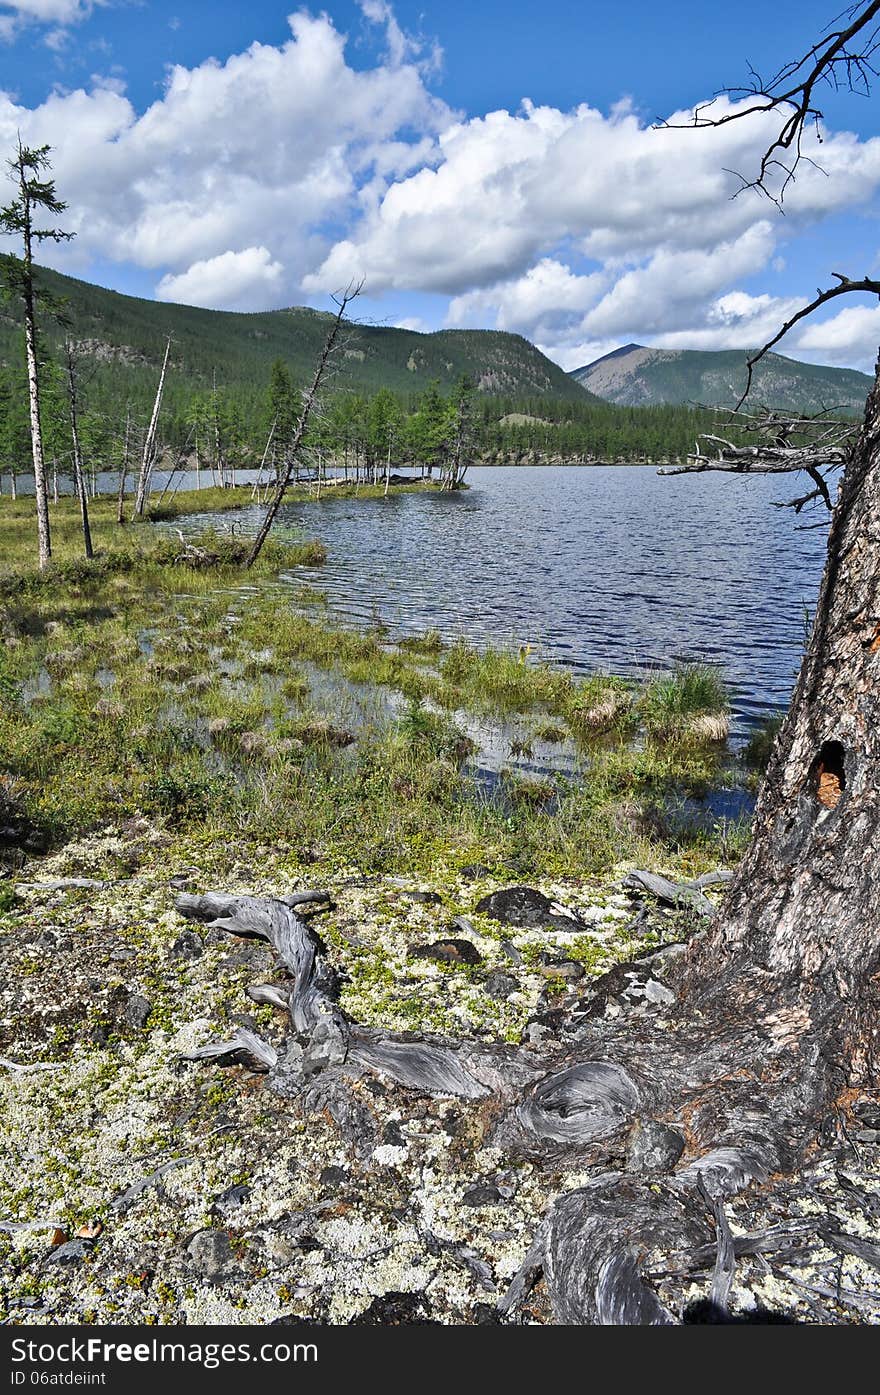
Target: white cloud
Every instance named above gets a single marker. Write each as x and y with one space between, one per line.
264 150
285 171
248 280
850 337
14 14
508 189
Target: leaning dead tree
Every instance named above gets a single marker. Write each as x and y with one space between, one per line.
738 1072
148 458
309 403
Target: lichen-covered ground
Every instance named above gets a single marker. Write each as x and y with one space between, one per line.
138 1187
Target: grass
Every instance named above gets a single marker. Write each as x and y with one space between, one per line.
163 690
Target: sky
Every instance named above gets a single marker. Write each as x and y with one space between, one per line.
479 165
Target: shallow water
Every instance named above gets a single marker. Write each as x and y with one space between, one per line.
605 567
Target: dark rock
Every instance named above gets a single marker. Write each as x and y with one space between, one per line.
499 985
483 1194
653 1147
71 1252
230 1200
184 879
451 951
525 909
333 1176
211 1253
137 1011
188 945
485 1315
474 871
394 1310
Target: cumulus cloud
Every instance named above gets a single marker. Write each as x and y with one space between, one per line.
266 150
507 189
17 13
850 337
285 172
248 280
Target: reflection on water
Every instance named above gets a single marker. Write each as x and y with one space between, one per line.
608 567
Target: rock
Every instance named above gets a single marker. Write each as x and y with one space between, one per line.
500 985
474 871
394 1310
70 1253
452 951
525 909
188 945
333 1176
229 1201
137 1011
483 1194
653 1147
210 1253
568 969
658 993
461 922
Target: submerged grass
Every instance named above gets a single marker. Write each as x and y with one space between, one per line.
140 685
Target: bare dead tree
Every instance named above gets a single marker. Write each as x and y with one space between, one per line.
149 455
79 482
310 398
784 444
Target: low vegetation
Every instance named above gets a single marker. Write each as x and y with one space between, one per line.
149 682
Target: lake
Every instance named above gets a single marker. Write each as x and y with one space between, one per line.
602 567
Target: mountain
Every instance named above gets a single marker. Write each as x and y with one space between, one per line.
123 333
635 376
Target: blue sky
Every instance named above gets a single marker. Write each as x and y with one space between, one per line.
487 165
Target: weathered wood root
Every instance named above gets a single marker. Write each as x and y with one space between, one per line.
701 1111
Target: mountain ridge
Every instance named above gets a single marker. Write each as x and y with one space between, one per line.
638 375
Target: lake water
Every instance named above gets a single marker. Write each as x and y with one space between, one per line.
605 567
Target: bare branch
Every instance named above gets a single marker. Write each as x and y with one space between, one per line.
846 287
836 59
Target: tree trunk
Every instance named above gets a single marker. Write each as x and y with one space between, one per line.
30 333
123 472
79 481
150 442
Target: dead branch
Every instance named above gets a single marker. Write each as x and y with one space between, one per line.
834 59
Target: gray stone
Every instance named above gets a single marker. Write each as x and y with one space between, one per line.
524 908
658 993
188 946
483 1194
500 985
210 1253
653 1147
70 1253
137 1011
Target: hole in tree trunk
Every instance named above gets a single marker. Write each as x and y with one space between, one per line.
829 776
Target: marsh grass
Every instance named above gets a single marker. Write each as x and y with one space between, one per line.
209 726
